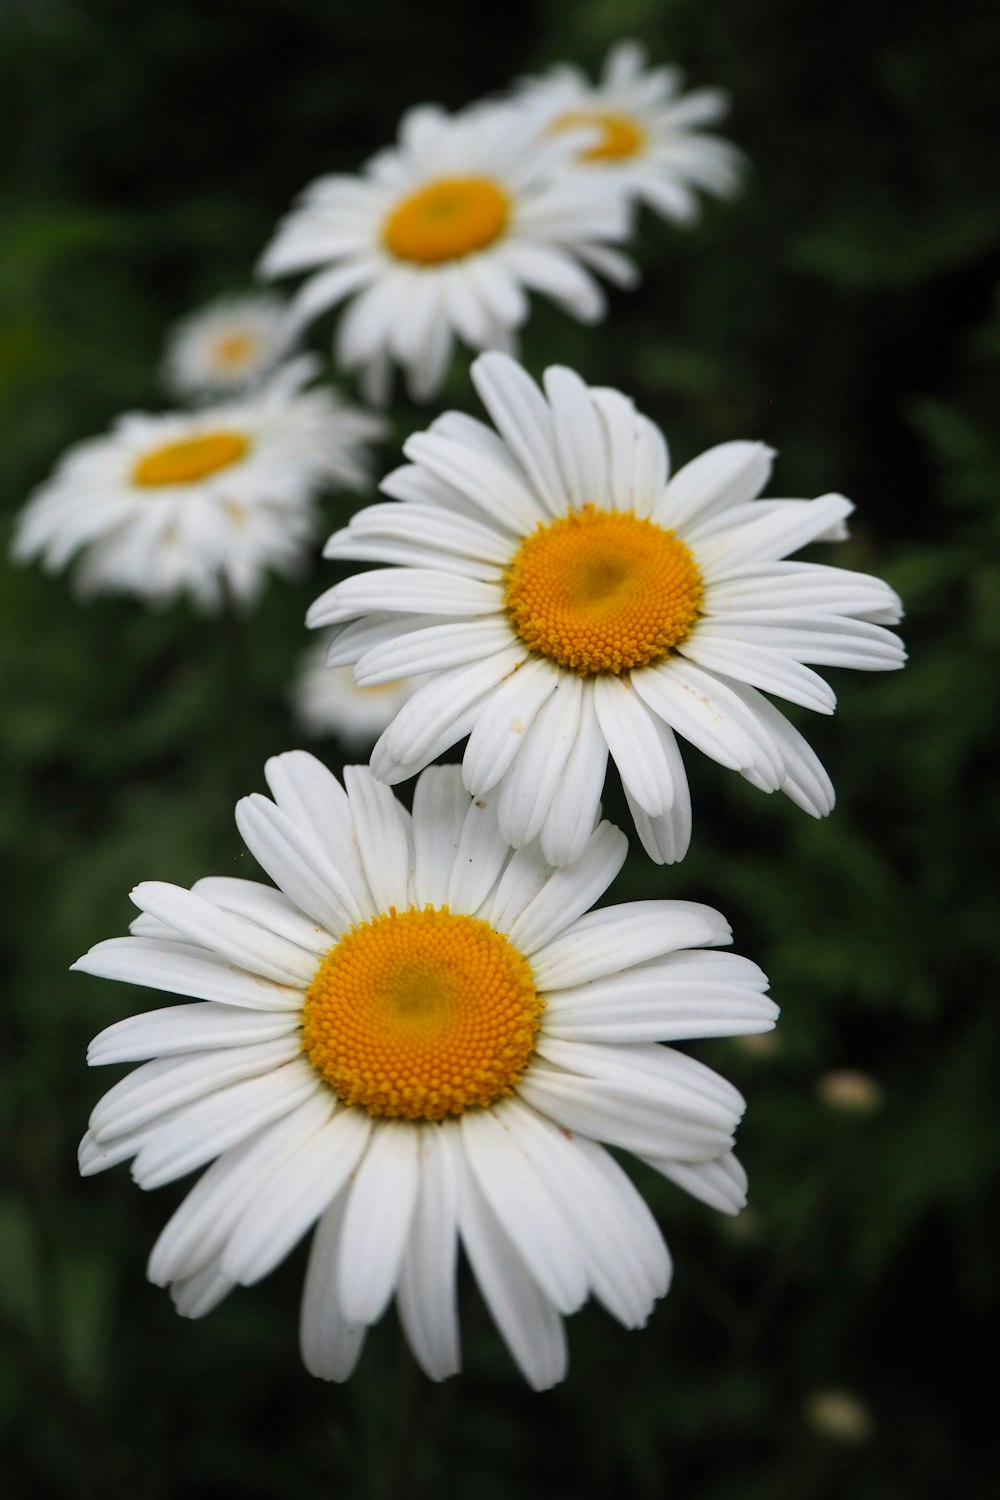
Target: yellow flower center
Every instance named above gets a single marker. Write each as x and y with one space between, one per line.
190 459
602 591
619 135
447 219
234 350
420 1014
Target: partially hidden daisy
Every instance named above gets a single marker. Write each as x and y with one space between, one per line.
327 701
568 600
200 503
443 236
420 1040
645 134
229 346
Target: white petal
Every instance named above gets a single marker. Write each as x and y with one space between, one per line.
635 744
615 937
423 591
264 905
523 418
440 809
531 1327
575 807
664 1001
434 648
377 1221
783 527
760 668
533 780
288 1205
198 1230
199 1294
580 444
501 727
722 1183
211 1125
168 1082
439 707
330 1345
729 474
166 964
489 485
671 691
316 802
611 1228
526 1210
571 891
481 855
241 942
427 1292
637 1120
383 837
185 1028
297 864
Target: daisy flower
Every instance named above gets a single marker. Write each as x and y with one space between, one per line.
645 135
198 503
327 701
229 346
569 600
443 236
421 1039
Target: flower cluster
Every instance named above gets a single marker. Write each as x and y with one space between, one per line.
421 1036
444 234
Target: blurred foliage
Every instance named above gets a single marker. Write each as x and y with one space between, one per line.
843 310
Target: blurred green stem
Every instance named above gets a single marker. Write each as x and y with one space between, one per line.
406 1404
234 702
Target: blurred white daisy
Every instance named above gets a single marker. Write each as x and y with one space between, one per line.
229 346
570 600
443 236
200 503
420 1039
327 701
646 136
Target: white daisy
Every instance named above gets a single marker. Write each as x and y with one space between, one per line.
200 503
568 600
646 136
229 346
420 1039
327 701
443 236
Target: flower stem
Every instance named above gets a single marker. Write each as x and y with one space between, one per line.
410 1385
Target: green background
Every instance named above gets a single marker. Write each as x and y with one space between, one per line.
842 310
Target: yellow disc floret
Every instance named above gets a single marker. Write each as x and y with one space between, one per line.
602 591
616 137
447 219
190 459
420 1014
234 350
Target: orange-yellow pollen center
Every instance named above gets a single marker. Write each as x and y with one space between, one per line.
602 591
234 350
616 137
420 1014
447 219
190 459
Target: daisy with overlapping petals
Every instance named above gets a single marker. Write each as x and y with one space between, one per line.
443 236
646 137
204 503
327 701
421 1039
569 600
229 346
